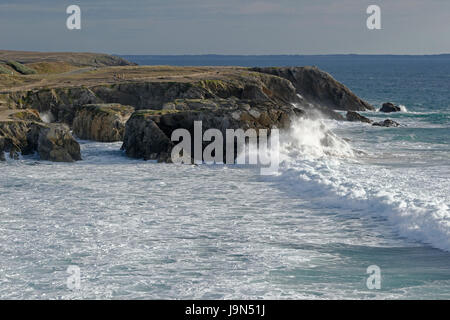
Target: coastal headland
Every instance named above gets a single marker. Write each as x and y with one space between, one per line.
48 98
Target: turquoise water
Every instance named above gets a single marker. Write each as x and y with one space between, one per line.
141 230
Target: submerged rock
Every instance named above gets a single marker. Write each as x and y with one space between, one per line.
386 123
101 122
389 107
355 116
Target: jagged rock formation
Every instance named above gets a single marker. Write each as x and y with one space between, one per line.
64 102
148 132
56 143
101 122
355 116
53 142
13 137
168 98
319 87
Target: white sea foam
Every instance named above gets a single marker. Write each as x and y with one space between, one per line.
47 116
414 200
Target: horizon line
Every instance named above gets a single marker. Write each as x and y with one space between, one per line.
284 55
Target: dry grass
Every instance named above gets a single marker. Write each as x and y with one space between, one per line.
51 67
73 58
113 75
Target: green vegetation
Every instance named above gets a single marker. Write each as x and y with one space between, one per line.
20 67
213 84
4 70
51 67
31 115
150 112
110 109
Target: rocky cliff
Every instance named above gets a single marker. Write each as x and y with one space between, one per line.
101 122
319 88
168 98
148 132
53 142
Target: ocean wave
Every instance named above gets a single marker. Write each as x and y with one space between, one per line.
327 170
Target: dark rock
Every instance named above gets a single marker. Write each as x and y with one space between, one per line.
314 111
14 136
316 86
148 132
386 123
2 149
144 139
53 142
354 116
389 107
279 85
56 143
101 122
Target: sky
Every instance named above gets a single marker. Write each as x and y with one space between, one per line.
227 26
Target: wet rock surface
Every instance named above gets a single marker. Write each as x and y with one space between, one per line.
319 87
389 107
386 123
356 117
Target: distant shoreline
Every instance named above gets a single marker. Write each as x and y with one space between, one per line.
272 60
286 55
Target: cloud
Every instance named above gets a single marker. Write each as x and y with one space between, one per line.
227 26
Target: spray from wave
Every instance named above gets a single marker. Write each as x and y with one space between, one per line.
403 108
47 116
325 168
312 139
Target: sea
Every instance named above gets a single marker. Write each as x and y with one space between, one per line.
363 216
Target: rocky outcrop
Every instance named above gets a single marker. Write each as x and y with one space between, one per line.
56 143
144 139
148 132
2 148
310 88
319 87
53 142
13 136
389 107
356 117
386 123
101 122
222 98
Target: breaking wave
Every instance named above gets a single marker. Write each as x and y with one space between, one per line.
323 167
